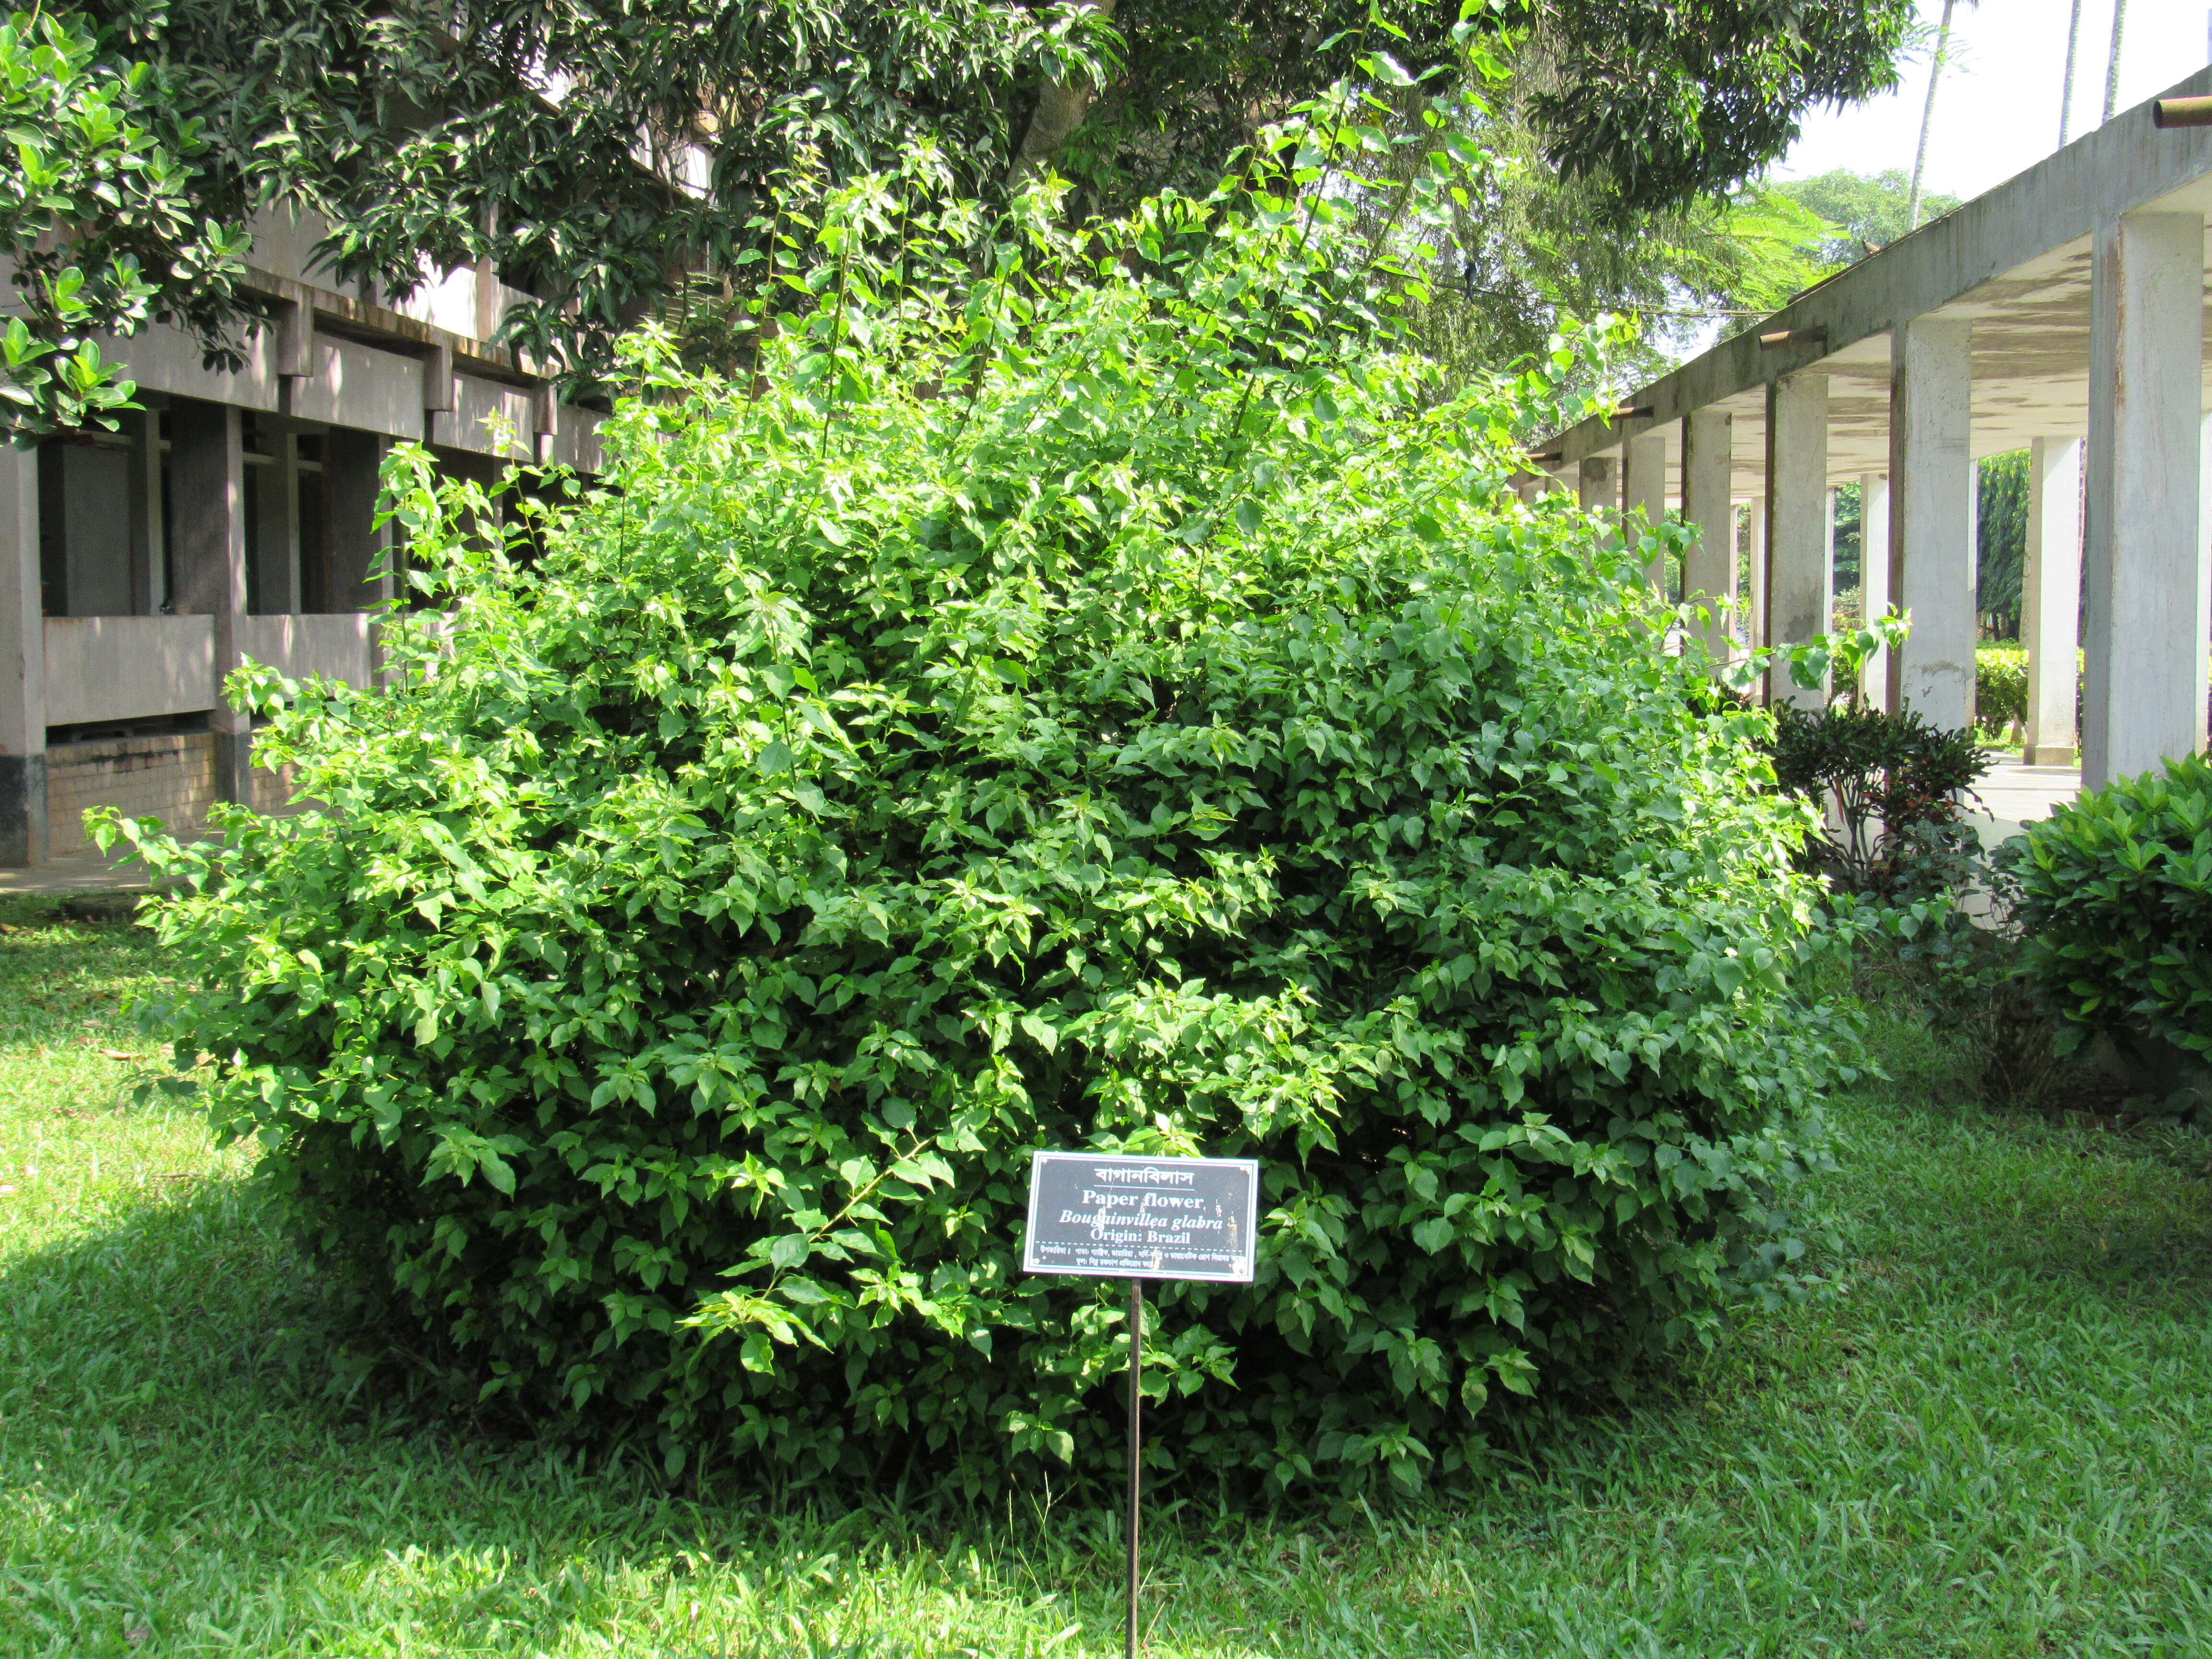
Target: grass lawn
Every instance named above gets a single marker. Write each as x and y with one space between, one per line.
2000 1442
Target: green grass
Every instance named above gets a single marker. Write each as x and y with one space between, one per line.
1999 1443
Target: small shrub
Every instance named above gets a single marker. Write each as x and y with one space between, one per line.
2000 686
1953 942
2116 897
1882 776
1141 734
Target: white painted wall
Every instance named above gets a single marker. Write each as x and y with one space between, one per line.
335 646
122 668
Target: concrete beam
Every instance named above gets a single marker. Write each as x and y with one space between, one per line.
1800 571
2143 698
1931 520
1709 567
2050 599
2120 167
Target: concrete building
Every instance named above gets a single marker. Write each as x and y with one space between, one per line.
2063 312
231 519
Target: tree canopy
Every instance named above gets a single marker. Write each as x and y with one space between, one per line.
605 157
1868 212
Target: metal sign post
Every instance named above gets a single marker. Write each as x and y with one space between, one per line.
1136 1449
1137 1218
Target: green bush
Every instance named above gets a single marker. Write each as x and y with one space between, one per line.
2000 685
1882 777
1116 708
2116 898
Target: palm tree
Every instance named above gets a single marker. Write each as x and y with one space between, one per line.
2066 93
1928 118
2112 63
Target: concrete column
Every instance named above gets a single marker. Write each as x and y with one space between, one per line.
1828 549
2142 700
22 665
1800 574
276 558
360 574
1873 576
1931 519
362 559
1709 567
148 594
2050 598
1754 605
1596 485
2203 635
1644 499
207 473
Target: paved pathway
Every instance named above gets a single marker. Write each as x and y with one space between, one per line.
2013 794
86 872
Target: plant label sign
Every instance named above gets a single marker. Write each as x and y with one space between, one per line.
1142 1217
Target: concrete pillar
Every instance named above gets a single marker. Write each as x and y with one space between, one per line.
1931 519
148 593
22 665
361 561
1595 486
276 557
1754 604
1829 549
1874 577
2050 598
1709 567
1800 571
207 475
2204 634
1644 499
2143 698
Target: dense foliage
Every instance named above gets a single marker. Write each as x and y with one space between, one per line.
2001 540
613 161
1881 777
2115 899
99 220
2000 685
1865 212
1123 708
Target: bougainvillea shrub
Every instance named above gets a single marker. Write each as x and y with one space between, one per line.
1123 706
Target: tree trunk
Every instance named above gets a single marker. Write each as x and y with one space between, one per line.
1927 120
2112 63
1061 109
2066 92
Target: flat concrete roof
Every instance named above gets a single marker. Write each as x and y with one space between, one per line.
2014 260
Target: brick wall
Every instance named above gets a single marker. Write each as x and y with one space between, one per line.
171 778
271 791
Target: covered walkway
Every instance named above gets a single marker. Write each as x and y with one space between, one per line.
2063 312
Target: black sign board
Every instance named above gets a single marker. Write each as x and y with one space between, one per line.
1142 1217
